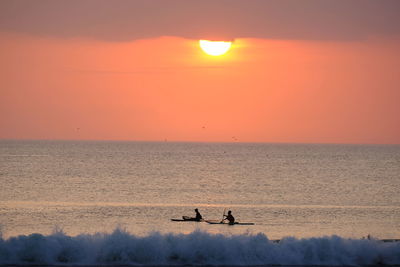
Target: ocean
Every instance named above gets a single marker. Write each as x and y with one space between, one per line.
111 203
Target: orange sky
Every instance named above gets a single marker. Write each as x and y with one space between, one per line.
167 88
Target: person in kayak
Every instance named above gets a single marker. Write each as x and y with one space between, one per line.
229 218
198 215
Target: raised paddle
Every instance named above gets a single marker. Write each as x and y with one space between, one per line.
223 216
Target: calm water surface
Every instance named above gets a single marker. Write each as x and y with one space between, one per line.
285 189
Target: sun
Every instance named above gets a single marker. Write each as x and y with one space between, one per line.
215 48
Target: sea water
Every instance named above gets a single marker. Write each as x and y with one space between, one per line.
87 202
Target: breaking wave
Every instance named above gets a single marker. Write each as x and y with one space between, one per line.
196 248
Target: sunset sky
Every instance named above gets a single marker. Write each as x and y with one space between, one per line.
297 71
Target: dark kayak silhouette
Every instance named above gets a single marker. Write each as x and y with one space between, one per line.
187 219
227 223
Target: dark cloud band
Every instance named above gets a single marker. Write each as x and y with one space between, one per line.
214 19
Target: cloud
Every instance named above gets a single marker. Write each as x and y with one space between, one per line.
124 20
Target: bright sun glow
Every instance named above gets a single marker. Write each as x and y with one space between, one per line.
215 48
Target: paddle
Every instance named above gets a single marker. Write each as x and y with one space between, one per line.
223 216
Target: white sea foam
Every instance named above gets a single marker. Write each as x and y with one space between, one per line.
197 248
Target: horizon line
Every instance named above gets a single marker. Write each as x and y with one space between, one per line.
192 141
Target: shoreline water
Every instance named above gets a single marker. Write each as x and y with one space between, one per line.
306 191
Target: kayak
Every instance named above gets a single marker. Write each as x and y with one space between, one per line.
226 223
186 219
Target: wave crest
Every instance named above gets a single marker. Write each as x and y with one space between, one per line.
196 248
